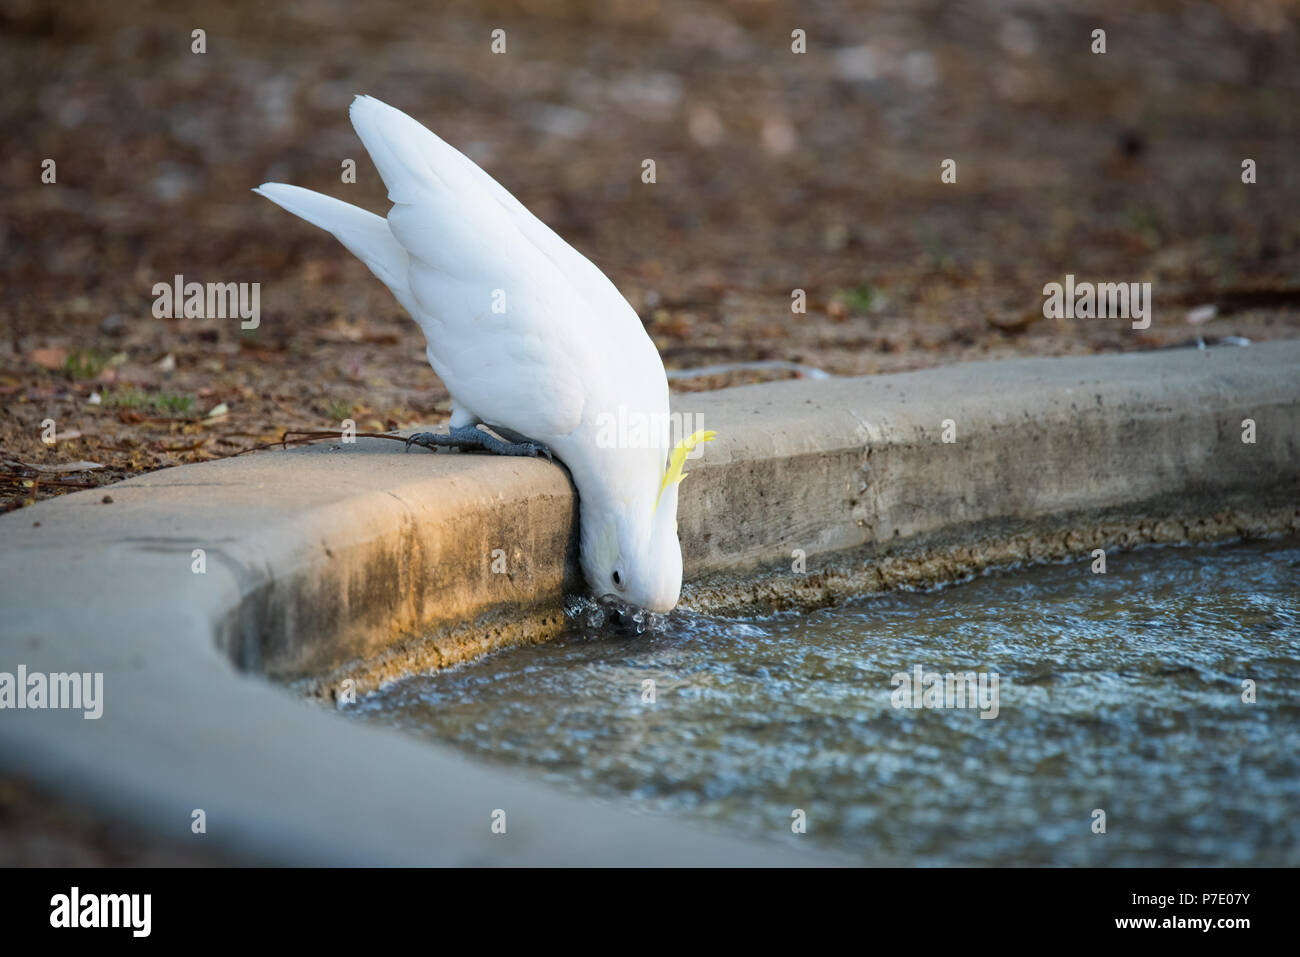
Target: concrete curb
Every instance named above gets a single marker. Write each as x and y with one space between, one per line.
1049 458
362 561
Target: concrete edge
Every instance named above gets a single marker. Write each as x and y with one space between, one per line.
360 561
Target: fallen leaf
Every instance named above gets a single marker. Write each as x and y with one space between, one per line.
1016 323
184 448
49 358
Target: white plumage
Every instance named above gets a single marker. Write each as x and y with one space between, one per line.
565 356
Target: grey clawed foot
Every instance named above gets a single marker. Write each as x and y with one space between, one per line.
523 443
470 438
428 440
433 441
536 450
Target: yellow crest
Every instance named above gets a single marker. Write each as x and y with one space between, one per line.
674 474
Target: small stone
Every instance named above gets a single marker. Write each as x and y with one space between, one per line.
921 69
778 136
836 237
705 126
108 500
858 64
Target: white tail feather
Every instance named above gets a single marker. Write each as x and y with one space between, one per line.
365 235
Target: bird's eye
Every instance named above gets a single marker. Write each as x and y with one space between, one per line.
618 579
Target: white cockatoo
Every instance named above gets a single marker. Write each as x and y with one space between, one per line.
531 339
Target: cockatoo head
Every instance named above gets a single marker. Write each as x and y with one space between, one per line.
630 551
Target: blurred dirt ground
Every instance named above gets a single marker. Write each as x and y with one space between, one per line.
775 171
38 830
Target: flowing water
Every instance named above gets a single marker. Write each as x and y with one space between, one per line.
1119 693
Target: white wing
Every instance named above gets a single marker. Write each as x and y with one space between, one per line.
400 138
522 328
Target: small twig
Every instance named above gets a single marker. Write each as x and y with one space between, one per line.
37 481
311 436
285 441
186 448
762 365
